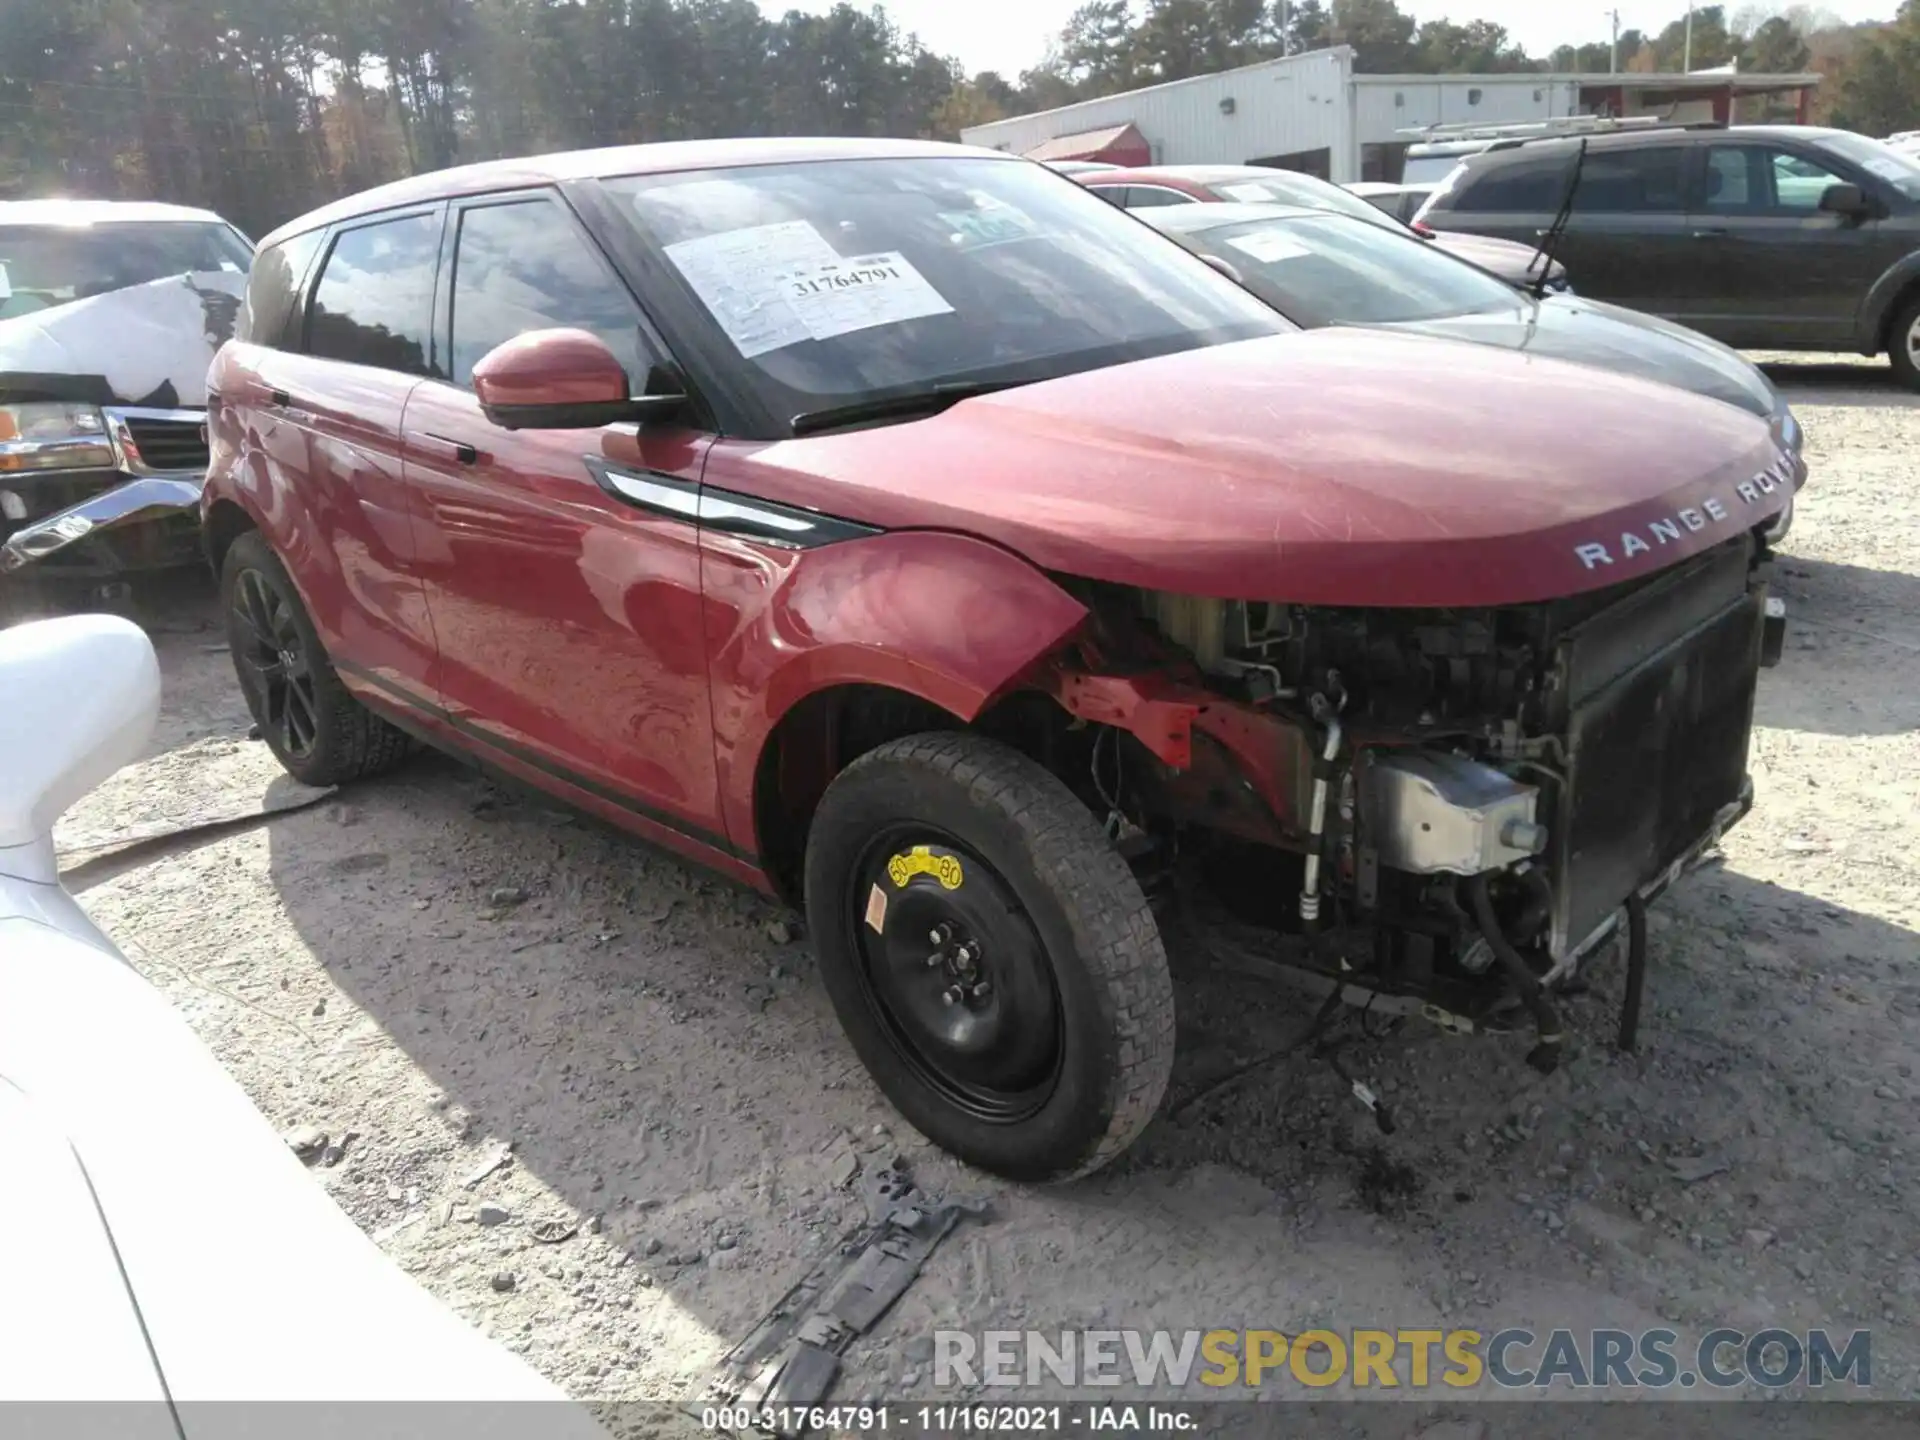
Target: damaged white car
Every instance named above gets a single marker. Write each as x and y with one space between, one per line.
110 313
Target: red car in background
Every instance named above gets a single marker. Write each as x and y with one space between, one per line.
1138 189
897 529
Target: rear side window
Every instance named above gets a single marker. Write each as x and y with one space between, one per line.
273 290
1632 182
373 304
1534 185
524 267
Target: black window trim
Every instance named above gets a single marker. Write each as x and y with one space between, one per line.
435 208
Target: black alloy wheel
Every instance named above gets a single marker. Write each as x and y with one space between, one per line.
270 656
315 727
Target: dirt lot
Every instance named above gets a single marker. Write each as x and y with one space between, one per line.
431 968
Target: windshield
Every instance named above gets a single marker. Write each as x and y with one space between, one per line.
1898 168
45 265
1326 270
1303 190
840 282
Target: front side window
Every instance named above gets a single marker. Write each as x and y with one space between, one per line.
1757 180
1798 183
1329 270
373 304
839 283
46 265
522 267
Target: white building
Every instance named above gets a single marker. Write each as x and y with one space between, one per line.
1312 112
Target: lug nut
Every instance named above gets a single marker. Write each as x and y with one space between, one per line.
952 995
934 960
982 990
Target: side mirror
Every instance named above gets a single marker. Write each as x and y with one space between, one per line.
83 694
1848 200
561 380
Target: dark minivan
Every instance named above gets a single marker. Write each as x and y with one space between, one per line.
1766 237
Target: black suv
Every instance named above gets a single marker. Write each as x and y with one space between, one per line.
1766 237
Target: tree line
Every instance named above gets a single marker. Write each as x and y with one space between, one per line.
261 109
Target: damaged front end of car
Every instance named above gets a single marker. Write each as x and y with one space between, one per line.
103 491
1432 811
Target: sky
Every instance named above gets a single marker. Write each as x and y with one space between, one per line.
1012 35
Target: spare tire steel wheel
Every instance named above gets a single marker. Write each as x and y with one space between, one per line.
990 955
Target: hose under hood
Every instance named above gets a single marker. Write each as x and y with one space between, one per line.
1545 1055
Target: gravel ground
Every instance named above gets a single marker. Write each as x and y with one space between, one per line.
430 971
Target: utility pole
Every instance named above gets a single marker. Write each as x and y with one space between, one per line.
1613 58
1286 30
1687 64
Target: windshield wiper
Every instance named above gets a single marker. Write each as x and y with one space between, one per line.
920 402
1550 241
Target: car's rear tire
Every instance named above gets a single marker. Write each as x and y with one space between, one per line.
1903 344
990 955
319 733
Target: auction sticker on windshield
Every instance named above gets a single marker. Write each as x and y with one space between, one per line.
736 274
772 286
861 292
1269 245
1253 192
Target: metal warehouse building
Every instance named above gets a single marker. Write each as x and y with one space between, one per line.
1312 112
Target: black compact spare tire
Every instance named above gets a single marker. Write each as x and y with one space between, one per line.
990 955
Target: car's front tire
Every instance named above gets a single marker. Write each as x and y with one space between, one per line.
319 733
990 955
1903 344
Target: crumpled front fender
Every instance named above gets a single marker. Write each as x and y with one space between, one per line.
953 620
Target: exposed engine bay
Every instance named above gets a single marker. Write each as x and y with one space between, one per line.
1448 807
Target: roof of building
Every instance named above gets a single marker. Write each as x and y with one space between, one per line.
618 160
1086 142
97 212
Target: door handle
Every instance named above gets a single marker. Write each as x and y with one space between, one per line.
280 398
445 448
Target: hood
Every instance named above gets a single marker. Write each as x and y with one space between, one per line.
1508 259
1336 467
148 344
1590 333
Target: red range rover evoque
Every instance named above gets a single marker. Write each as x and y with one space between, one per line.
900 529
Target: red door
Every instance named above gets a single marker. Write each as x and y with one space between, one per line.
568 617
326 425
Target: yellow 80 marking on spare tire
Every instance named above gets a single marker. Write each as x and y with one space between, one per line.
922 861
